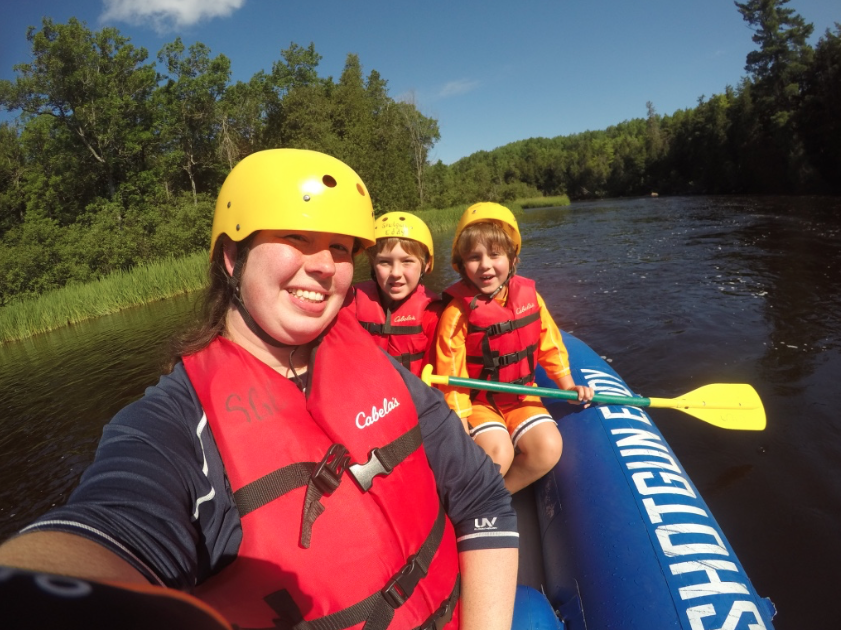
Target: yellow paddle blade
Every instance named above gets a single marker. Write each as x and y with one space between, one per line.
725 405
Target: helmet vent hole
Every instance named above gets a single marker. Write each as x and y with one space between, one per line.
360 189
329 181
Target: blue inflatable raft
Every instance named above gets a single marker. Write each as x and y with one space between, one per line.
617 536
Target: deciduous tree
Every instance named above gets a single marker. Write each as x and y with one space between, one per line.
95 84
189 109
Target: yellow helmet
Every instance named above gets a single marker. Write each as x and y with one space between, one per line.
405 225
293 189
489 212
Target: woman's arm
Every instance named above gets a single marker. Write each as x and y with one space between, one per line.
488 587
67 554
138 499
70 581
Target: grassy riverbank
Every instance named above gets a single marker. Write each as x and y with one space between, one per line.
120 290
446 219
540 202
161 280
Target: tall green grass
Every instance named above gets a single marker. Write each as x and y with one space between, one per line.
441 220
120 290
447 218
541 202
164 279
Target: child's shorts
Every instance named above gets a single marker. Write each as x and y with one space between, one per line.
517 419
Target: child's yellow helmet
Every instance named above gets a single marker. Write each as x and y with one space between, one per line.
293 189
405 225
489 212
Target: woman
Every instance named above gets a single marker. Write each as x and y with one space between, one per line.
287 471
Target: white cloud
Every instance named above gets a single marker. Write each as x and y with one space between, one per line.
167 15
454 88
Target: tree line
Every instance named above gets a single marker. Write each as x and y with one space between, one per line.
777 132
115 160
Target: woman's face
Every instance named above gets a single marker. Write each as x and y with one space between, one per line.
294 283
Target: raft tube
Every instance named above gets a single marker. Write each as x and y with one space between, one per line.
627 540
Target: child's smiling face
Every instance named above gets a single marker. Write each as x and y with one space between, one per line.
398 273
487 269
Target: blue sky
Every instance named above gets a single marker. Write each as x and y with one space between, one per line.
490 72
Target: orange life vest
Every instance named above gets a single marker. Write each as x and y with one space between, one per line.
399 332
328 539
502 341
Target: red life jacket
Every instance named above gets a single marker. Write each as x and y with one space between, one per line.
321 536
399 332
502 341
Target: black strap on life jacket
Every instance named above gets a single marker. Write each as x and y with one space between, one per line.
492 360
500 328
407 358
388 329
376 610
442 616
323 478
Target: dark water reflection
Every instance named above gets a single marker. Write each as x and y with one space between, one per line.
675 292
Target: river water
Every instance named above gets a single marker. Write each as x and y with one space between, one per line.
675 292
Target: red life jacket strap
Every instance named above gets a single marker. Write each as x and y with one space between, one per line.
444 614
381 461
388 329
494 361
406 359
269 487
500 328
323 478
376 610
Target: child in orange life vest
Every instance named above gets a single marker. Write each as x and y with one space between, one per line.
398 311
497 328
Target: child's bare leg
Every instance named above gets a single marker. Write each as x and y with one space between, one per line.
497 444
539 450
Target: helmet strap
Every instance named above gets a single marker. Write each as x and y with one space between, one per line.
495 292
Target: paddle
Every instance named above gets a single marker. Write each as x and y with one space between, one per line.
725 405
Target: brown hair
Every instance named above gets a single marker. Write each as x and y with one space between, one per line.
217 299
410 246
484 233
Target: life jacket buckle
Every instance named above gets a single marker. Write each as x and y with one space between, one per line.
401 586
364 474
501 328
440 617
374 329
327 475
507 359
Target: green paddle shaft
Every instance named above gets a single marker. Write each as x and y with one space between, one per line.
726 405
545 392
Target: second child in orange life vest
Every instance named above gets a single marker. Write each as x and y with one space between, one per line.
497 328
395 307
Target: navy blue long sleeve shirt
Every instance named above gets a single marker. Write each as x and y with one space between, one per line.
157 495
